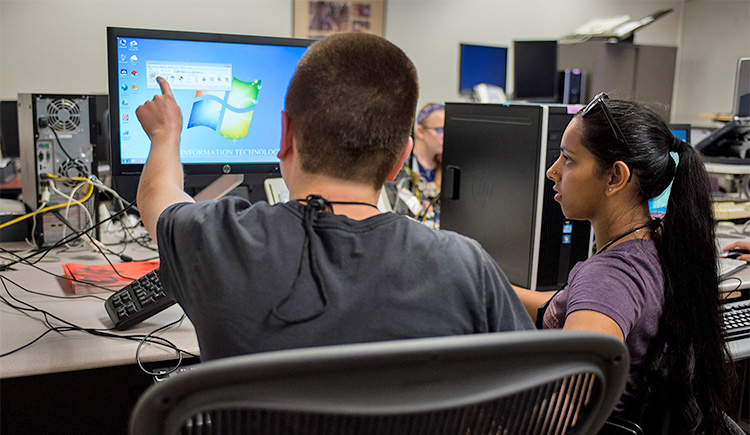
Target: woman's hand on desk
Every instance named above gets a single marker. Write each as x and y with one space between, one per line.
738 250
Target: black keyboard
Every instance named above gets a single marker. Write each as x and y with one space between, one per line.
137 301
736 320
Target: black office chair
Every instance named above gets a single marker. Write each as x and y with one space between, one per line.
530 382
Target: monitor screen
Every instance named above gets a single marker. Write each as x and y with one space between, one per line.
230 88
535 70
481 64
741 106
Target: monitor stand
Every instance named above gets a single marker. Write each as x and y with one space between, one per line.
220 187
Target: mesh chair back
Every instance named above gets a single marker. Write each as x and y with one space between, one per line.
530 382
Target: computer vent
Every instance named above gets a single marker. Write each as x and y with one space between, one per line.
63 115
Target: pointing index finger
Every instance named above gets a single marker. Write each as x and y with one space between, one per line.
164 85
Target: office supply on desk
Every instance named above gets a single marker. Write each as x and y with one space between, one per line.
138 301
728 266
736 317
731 210
93 278
531 381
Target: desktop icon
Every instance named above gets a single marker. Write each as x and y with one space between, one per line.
124 102
134 72
123 58
135 87
123 72
123 42
134 58
125 117
124 87
228 112
133 45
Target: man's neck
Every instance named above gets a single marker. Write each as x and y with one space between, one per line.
336 190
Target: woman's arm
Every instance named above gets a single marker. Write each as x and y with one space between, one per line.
587 320
532 300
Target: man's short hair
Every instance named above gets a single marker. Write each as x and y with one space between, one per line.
351 105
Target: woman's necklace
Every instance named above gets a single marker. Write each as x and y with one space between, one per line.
607 245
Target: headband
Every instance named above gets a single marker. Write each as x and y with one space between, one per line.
424 113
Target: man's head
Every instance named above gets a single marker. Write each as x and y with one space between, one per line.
351 107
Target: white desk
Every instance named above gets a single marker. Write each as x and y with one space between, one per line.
75 350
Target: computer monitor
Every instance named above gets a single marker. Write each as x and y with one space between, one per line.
9 129
535 71
681 130
727 144
741 106
481 64
231 90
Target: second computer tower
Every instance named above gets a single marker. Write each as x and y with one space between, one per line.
495 190
57 145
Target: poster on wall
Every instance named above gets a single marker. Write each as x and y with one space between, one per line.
318 19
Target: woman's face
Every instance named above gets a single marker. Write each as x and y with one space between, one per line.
428 133
578 185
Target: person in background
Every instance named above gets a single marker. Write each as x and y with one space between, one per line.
653 281
327 267
418 185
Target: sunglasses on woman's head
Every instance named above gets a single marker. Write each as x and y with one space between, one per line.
598 101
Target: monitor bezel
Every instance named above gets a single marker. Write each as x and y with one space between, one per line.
683 127
120 169
743 61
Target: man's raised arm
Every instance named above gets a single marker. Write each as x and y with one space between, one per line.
161 183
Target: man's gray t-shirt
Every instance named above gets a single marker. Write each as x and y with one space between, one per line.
229 264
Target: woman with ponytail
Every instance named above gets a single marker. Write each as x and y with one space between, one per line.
653 281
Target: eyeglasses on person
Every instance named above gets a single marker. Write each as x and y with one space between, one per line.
438 130
598 101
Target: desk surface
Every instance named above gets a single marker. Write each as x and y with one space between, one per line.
75 350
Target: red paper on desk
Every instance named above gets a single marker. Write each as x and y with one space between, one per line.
103 275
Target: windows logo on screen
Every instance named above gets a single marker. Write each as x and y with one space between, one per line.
228 112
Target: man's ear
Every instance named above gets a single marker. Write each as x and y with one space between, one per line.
619 177
400 164
287 136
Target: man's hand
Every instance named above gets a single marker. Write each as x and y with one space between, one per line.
160 117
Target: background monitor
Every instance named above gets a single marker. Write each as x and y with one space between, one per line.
741 106
9 129
231 90
482 64
681 130
535 71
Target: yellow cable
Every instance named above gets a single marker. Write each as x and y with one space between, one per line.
46 209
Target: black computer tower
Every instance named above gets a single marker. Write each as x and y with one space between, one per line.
495 190
57 137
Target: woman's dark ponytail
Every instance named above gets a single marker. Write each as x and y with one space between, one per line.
686 363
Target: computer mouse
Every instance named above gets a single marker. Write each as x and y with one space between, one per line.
736 252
